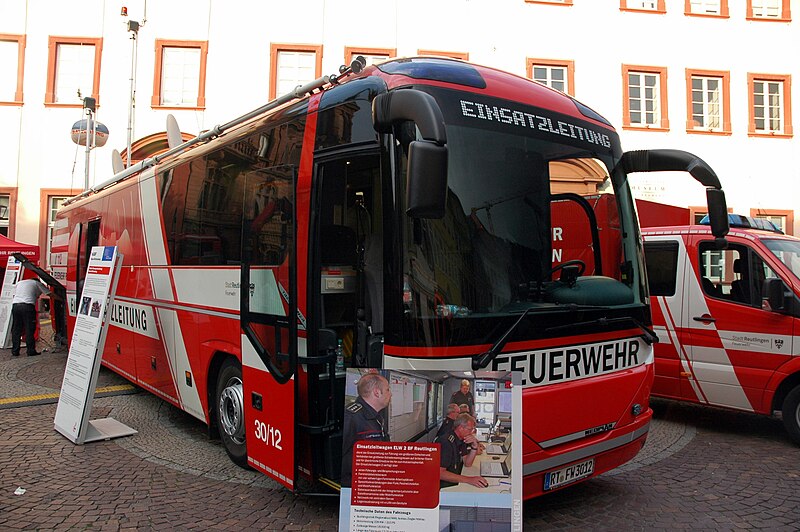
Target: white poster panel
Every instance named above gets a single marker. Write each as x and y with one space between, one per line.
403 473
86 349
12 275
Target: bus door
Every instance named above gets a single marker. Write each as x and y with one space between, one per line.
268 291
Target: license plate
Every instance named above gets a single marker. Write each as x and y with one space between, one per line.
569 474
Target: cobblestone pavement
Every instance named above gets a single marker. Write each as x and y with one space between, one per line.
701 469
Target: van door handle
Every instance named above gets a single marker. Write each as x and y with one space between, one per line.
705 318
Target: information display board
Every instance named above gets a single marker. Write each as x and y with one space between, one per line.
85 352
12 275
408 464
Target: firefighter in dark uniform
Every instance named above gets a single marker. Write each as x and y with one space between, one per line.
364 419
459 449
464 397
447 424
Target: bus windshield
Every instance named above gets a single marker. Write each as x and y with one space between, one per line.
518 228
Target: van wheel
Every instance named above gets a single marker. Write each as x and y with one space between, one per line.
229 408
791 414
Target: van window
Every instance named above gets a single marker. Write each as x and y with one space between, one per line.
735 274
661 259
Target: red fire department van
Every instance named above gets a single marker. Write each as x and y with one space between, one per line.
405 210
726 318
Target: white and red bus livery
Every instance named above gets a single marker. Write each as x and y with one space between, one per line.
726 317
405 210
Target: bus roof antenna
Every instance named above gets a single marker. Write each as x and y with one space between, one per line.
356 66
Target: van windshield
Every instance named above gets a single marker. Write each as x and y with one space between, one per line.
786 251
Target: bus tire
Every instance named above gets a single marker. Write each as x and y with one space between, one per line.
229 410
791 414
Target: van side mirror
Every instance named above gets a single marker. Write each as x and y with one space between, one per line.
774 295
426 190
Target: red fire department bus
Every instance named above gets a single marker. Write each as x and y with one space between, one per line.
405 210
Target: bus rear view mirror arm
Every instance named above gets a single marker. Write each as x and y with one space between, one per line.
682 161
426 189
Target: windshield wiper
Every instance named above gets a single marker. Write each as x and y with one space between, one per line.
482 360
648 334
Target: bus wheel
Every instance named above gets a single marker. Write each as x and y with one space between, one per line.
791 414
230 412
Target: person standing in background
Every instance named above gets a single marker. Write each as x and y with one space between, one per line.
23 314
464 396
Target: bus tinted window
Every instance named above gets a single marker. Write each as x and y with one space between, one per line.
203 200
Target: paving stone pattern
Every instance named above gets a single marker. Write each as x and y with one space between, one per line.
701 469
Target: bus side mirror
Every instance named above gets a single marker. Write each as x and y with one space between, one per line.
717 214
426 191
774 295
683 161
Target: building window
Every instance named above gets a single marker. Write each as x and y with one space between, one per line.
292 65
645 97
180 74
783 219
51 202
770 104
463 56
559 75
653 6
372 55
5 205
12 57
73 71
707 8
777 10
708 95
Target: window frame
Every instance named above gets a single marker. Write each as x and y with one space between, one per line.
660 9
20 40
786 80
462 56
550 2
45 195
725 77
276 48
723 10
52 56
11 192
786 213
661 72
352 51
698 211
567 64
160 44
786 13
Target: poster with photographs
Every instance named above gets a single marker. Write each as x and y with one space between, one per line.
430 450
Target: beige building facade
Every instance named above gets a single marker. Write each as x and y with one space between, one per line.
713 77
